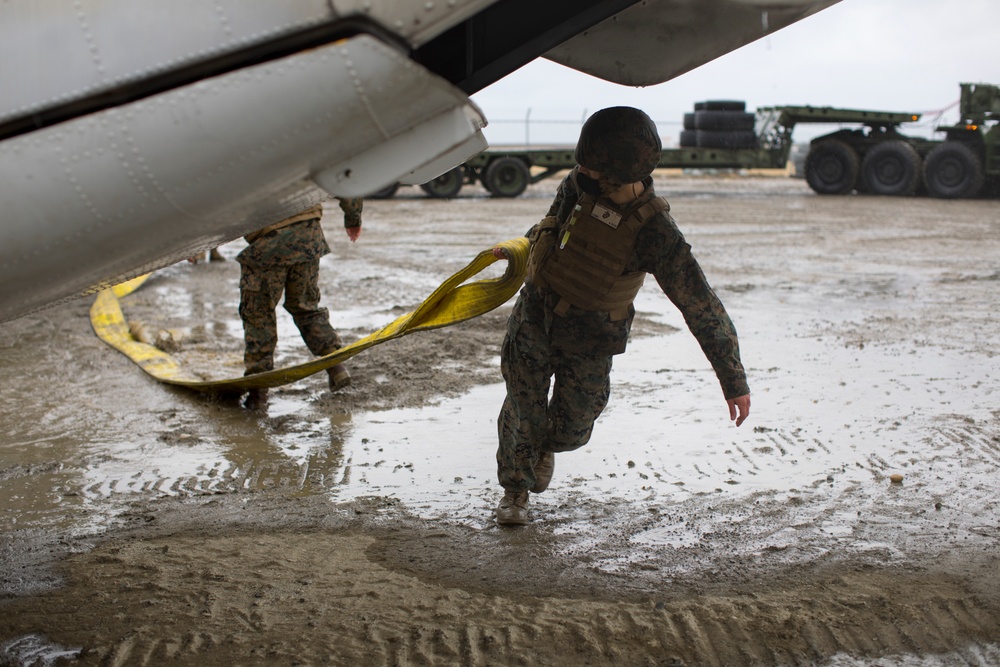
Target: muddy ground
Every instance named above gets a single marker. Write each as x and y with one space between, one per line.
146 525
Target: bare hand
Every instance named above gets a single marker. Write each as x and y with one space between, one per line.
739 408
353 233
500 253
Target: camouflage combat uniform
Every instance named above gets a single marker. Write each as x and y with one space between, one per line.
285 258
577 347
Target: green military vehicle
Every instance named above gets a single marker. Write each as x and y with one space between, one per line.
878 159
871 156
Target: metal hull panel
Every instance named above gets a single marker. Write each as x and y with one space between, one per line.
109 196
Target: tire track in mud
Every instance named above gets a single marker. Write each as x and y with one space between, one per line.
971 441
319 597
223 478
796 455
320 471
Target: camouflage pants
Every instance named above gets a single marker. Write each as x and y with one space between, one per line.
531 422
260 291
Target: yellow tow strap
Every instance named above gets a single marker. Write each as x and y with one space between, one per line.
451 303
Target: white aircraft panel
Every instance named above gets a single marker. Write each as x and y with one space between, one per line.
53 51
446 137
102 198
417 20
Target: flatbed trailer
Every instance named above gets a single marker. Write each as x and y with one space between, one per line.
508 171
871 156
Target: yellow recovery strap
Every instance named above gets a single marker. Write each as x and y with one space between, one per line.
450 303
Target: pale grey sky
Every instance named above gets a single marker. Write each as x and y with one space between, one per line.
892 55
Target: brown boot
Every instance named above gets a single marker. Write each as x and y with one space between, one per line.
513 509
339 377
256 399
544 468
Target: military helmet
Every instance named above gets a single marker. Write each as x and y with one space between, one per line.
621 143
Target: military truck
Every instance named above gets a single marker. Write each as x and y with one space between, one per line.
878 159
871 156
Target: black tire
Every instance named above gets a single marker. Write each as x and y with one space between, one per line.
385 193
730 139
447 185
689 138
832 167
723 120
506 177
891 168
720 105
690 122
953 170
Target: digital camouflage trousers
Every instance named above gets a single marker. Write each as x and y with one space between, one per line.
531 422
260 292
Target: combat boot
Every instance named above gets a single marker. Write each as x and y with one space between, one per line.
544 468
513 509
339 377
257 399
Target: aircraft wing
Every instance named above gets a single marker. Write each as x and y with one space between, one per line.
644 45
136 133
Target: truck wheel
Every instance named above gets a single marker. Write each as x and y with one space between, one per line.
832 167
385 193
952 170
446 185
891 168
506 177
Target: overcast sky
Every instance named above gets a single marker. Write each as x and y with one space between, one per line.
891 55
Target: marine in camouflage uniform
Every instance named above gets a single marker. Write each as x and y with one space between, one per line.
548 338
284 258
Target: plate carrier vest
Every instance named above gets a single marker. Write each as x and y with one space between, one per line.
584 263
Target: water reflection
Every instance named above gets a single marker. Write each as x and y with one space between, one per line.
175 444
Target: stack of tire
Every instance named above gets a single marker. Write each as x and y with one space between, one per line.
719 124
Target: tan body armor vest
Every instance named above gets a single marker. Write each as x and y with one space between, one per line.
585 262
